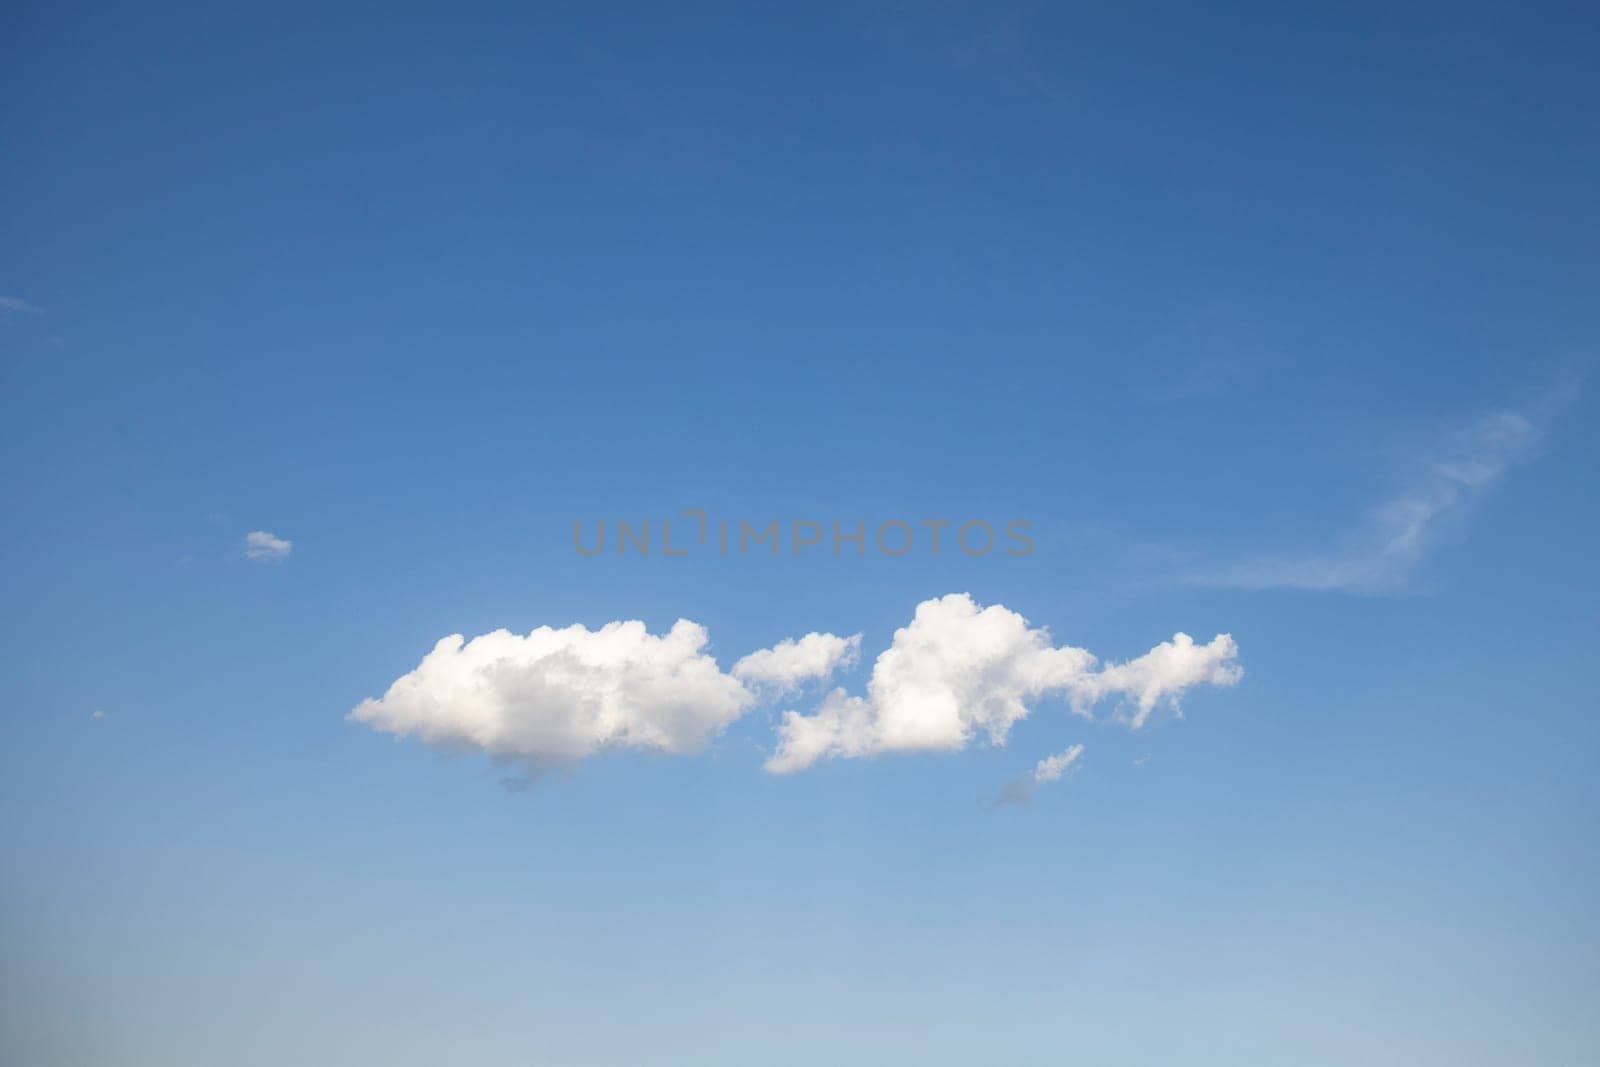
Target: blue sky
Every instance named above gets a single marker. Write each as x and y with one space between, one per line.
1273 322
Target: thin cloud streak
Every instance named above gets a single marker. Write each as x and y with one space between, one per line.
1381 554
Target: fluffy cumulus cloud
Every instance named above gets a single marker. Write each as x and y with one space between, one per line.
956 672
788 664
263 547
559 695
960 672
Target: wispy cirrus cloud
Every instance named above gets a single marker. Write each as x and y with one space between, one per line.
14 305
1383 551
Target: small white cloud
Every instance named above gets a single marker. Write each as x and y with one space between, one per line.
97 714
10 305
554 696
263 547
788 664
960 672
1050 769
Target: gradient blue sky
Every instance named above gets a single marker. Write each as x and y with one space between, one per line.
1217 299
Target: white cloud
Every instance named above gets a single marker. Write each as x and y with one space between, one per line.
263 547
1162 675
97 713
559 695
960 672
957 673
1050 769
1381 553
789 663
10 304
